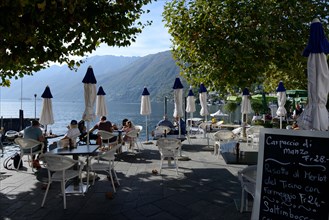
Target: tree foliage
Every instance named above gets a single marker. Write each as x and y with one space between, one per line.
237 43
35 33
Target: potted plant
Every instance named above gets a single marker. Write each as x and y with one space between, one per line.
230 107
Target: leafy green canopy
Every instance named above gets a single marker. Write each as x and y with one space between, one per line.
35 33
236 43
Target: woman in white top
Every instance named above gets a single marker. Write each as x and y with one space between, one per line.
72 133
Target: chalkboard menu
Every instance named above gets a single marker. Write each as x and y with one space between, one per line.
292 175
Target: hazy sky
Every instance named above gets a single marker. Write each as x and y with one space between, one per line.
153 39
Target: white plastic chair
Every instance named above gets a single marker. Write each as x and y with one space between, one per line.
203 128
237 132
133 135
105 138
247 177
253 134
105 162
29 147
140 127
169 148
61 165
221 136
63 143
217 125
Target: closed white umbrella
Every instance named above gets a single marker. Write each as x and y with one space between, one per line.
89 82
47 116
190 103
315 114
282 98
146 108
203 101
245 104
245 109
101 108
178 100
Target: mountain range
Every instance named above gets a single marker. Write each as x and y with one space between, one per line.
122 78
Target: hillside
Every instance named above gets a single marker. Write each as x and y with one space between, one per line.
122 78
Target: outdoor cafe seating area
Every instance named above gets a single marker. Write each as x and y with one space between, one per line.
122 169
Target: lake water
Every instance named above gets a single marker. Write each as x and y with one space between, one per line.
64 112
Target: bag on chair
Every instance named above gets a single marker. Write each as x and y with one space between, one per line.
11 163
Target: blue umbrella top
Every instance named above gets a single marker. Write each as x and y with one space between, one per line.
101 91
317 42
178 84
90 76
47 94
281 87
202 88
190 92
245 91
145 92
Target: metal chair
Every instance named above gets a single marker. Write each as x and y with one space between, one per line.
169 148
58 167
247 177
221 136
105 162
133 136
106 138
29 147
140 127
253 134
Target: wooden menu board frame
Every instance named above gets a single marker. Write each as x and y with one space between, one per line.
292 175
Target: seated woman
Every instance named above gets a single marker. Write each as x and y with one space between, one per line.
71 135
128 127
83 133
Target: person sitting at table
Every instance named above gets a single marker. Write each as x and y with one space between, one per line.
128 127
34 132
297 112
72 134
124 122
166 122
103 125
181 124
163 122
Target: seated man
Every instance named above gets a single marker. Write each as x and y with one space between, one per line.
34 132
166 122
182 126
103 125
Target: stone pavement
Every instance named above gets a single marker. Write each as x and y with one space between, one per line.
205 188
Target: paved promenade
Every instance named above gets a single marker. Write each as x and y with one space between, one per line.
205 188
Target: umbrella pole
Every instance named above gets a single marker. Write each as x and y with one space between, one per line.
191 123
205 133
147 132
179 128
205 120
88 133
280 122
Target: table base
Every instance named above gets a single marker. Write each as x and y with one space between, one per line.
76 189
